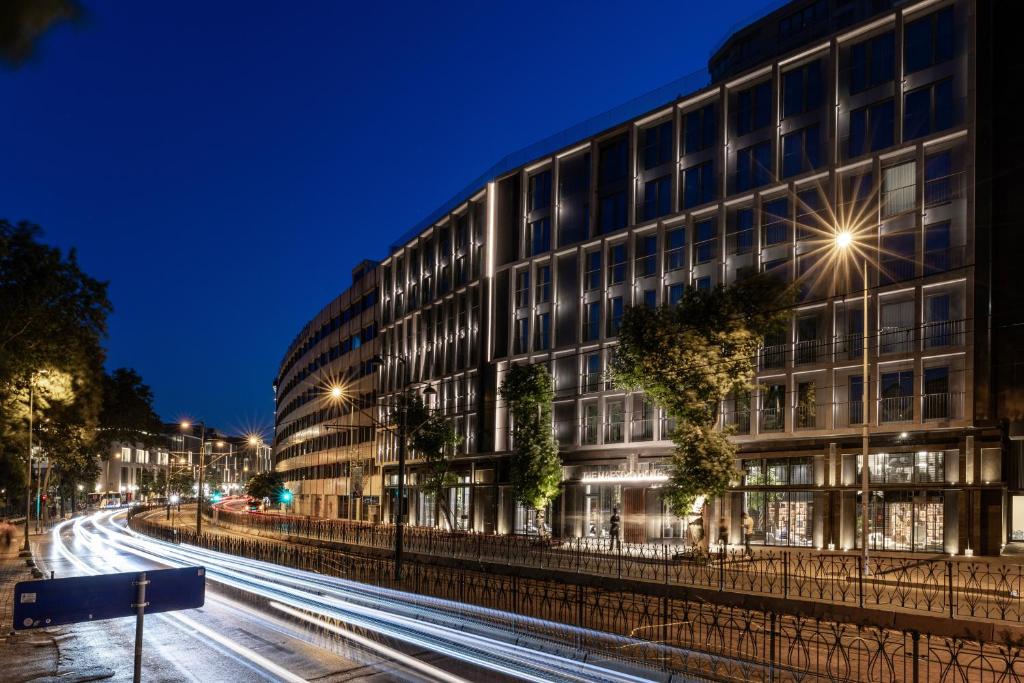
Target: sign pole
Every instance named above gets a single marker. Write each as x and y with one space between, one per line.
140 607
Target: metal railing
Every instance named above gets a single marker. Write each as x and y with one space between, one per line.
945 189
771 420
896 409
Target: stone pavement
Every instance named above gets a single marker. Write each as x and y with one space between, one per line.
43 655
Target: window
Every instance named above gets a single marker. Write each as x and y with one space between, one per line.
540 191
807 406
650 298
656 145
928 109
801 151
871 128
615 311
592 278
897 327
698 184
773 408
796 23
522 289
899 185
542 327
543 284
540 236
939 328
937 399
904 521
615 428
617 263
928 41
741 240
802 89
592 321
897 258
922 467
592 372
675 249
573 198
776 221
699 129
938 250
897 396
646 255
657 198
808 213
588 430
754 166
703 284
675 293
522 342
613 176
781 518
872 62
856 399
941 184
707 240
754 108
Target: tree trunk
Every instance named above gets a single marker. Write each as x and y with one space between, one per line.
45 503
542 530
442 501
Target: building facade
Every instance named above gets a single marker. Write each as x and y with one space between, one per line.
824 116
324 441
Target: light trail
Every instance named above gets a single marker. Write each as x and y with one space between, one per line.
467 635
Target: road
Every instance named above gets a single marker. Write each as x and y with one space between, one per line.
266 622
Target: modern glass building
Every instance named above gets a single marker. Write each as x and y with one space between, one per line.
821 116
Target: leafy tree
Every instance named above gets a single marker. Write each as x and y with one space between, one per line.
689 357
435 439
536 469
23 22
127 414
181 482
265 485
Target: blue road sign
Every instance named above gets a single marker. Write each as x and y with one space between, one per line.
54 602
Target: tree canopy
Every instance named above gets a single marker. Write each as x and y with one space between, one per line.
689 357
265 485
433 438
536 469
23 22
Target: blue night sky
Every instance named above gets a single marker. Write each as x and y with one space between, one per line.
225 164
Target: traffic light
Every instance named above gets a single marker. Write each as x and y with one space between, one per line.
286 496
216 497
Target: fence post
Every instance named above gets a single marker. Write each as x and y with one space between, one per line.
771 650
721 569
785 574
949 581
860 583
915 673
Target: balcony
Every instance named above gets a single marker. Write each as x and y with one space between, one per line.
738 420
896 339
848 414
614 432
849 347
898 200
705 251
811 351
740 242
943 260
896 409
773 356
772 420
941 333
775 233
811 416
942 406
642 429
943 190
588 433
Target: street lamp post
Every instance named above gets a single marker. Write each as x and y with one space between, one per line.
199 484
28 461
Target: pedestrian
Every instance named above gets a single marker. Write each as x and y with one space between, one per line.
613 530
748 533
723 533
6 534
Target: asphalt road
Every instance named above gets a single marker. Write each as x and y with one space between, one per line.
266 622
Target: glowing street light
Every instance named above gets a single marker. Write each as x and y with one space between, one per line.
337 392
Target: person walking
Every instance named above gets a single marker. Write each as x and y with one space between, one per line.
613 530
723 533
748 533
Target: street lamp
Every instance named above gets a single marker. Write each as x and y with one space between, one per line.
403 435
199 487
844 245
28 459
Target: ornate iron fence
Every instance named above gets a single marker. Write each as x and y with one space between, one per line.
698 639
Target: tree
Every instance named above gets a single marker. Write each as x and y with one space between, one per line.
536 469
127 414
435 439
181 482
23 22
265 485
689 357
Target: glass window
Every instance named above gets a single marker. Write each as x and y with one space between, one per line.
613 175
522 341
872 62
540 236
588 429
802 89
871 128
703 284
656 145
699 129
592 278
615 427
675 252
937 398
617 263
540 191
928 41
801 151
781 517
741 239
776 221
698 184
592 321
522 288
707 240
573 198
675 293
753 108
904 521
899 188
753 166
897 258
897 403
650 298
941 183
615 311
938 249
897 327
928 110
657 198
592 372
646 255
543 284
543 331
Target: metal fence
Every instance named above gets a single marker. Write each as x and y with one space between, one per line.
677 635
963 587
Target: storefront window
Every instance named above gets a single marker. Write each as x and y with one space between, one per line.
904 520
526 520
599 501
459 497
1017 518
425 515
905 468
781 517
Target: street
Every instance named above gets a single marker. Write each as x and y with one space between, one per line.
252 623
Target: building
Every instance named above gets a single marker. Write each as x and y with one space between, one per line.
129 467
324 442
821 116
